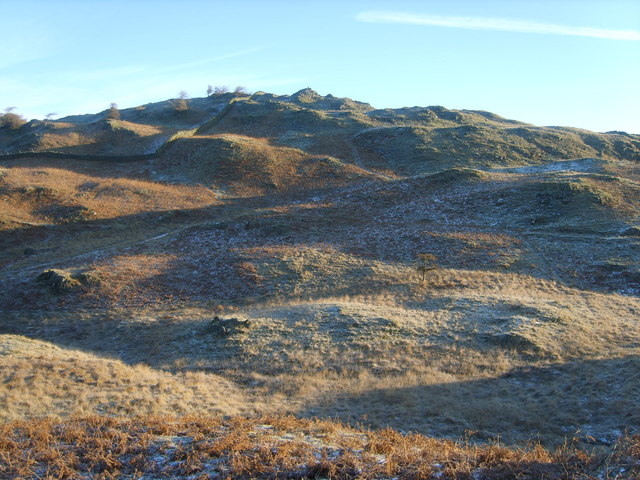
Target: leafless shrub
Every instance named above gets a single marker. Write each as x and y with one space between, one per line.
11 120
426 263
181 104
113 113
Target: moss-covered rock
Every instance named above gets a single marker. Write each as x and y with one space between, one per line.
61 282
58 281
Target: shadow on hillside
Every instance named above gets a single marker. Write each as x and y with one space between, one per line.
208 243
593 400
127 169
73 233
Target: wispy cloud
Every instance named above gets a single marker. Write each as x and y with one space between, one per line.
81 76
206 61
122 72
499 24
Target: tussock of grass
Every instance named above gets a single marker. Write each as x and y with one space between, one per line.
131 280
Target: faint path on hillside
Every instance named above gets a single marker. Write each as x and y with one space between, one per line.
10 271
93 255
358 161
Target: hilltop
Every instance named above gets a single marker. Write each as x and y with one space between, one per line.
263 254
435 136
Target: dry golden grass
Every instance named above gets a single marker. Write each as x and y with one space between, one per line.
278 447
40 379
528 330
562 321
250 166
139 129
31 194
523 357
131 279
54 141
115 137
334 333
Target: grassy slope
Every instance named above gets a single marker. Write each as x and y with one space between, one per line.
50 193
41 379
340 322
263 216
417 140
404 141
249 166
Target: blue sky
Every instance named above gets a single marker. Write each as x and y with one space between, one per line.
574 63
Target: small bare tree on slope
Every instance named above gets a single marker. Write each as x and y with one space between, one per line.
426 262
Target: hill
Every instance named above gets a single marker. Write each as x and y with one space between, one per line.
406 141
446 272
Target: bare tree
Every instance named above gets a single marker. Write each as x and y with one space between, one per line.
426 262
113 113
240 90
181 104
209 90
220 89
48 117
11 120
